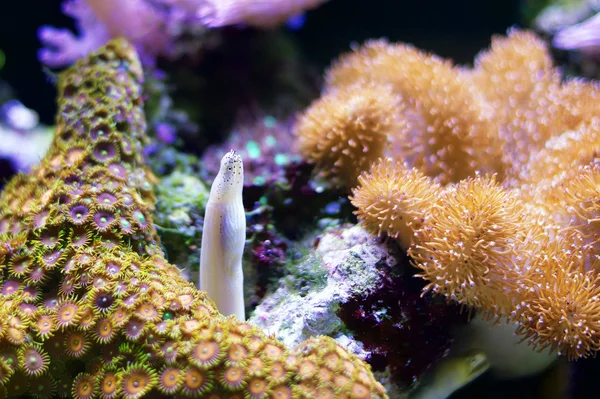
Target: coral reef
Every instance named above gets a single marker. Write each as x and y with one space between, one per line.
157 28
24 139
90 307
166 122
343 263
273 195
180 207
491 181
403 331
283 202
35 141
359 289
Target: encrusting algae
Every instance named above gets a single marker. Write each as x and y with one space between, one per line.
489 177
89 306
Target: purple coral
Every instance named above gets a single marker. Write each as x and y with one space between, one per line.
152 26
259 13
155 27
166 133
62 47
584 36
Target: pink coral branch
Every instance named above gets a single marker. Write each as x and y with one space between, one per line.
136 20
584 37
62 47
151 25
259 13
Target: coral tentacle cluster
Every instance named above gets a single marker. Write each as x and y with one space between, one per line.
89 307
489 177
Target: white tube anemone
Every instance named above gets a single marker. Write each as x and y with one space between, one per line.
223 238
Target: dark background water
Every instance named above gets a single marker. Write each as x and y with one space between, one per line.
456 29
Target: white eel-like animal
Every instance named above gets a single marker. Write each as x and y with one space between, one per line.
223 238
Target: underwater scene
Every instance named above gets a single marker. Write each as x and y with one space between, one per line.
299 199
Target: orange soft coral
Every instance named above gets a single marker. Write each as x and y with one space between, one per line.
523 246
394 200
259 13
559 301
576 200
531 106
89 307
445 128
517 77
562 154
468 245
347 129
